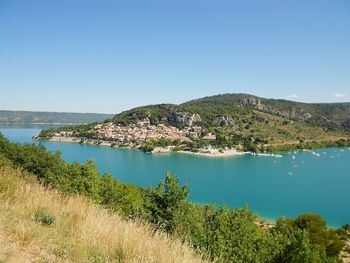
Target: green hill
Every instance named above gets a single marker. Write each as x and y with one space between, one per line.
240 107
240 121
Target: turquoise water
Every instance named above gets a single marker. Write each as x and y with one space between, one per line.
294 184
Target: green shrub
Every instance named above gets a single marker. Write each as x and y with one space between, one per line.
147 147
165 201
177 149
250 146
44 216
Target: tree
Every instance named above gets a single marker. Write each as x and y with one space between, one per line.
299 249
165 200
315 225
84 179
250 146
319 234
111 194
147 146
233 236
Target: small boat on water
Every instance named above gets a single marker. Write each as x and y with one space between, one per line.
267 155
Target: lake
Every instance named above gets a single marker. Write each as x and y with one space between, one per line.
296 183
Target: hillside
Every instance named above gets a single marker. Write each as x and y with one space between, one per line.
41 225
235 107
239 121
91 217
34 117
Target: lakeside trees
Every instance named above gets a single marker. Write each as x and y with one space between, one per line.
226 235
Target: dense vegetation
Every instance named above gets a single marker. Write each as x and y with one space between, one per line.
227 235
82 130
50 117
156 113
244 109
329 115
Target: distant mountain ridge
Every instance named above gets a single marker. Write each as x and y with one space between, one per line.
34 117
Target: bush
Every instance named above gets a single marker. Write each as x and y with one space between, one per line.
328 240
231 235
165 201
315 226
44 216
147 147
177 149
249 146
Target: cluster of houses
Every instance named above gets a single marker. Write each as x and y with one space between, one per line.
144 131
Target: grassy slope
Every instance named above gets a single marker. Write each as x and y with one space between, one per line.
82 232
279 132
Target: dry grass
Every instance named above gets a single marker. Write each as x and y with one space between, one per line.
281 133
82 232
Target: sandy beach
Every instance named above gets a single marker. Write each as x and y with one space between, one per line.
215 153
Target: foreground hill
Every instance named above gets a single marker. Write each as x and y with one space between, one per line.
238 121
34 117
63 226
41 225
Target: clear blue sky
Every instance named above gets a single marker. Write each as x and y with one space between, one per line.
108 56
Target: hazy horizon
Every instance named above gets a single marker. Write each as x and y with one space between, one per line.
165 103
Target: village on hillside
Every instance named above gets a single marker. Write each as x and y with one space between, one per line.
142 131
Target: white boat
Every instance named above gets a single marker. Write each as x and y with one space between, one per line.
270 155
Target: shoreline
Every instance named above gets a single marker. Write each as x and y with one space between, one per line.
214 152
204 152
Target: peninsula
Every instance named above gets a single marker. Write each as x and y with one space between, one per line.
221 125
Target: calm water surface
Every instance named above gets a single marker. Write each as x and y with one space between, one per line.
294 184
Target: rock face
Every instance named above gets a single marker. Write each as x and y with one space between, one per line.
251 101
184 118
293 113
224 121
